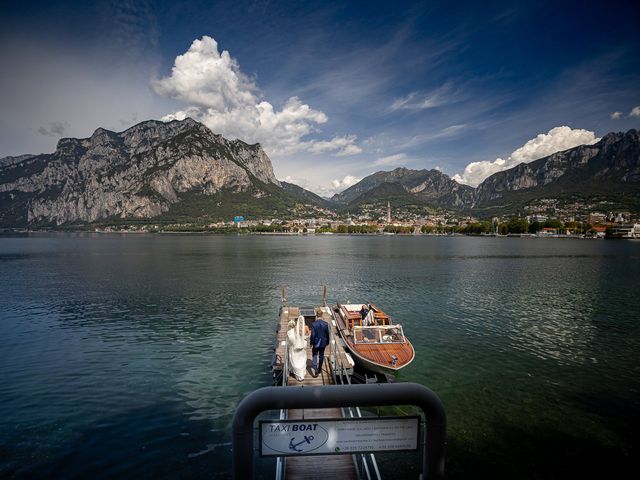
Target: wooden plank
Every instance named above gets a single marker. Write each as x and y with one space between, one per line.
382 353
288 313
319 467
324 378
322 466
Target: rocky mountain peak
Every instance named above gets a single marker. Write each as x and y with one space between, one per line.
429 185
139 172
607 167
10 160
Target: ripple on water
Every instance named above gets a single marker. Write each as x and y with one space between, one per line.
127 356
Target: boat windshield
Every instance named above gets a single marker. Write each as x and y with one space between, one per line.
378 334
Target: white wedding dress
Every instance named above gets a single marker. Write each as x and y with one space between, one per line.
297 344
369 319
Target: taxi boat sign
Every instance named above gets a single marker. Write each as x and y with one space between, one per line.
334 436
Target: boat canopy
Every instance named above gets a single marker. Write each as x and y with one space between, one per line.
378 334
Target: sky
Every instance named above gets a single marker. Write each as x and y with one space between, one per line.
334 91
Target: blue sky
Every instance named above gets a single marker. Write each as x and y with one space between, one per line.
333 91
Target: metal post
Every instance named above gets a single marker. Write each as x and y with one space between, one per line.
330 396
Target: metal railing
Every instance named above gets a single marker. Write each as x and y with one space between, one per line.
344 379
281 462
338 368
336 396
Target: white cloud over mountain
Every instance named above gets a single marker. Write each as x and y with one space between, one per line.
635 112
556 140
346 182
230 103
321 188
395 159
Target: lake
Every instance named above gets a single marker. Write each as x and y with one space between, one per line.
125 355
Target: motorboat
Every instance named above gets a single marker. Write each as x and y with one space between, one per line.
375 342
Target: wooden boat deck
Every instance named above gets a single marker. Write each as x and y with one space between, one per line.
314 467
379 353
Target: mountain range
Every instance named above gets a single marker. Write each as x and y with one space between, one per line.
180 171
173 170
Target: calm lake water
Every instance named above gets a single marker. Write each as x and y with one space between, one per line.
125 356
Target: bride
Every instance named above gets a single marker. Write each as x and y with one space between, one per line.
297 344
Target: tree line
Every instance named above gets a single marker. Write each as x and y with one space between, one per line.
512 226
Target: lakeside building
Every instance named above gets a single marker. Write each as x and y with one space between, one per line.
622 217
626 231
538 217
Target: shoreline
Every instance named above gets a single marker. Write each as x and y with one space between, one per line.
13 232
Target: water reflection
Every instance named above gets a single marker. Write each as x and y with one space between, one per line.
142 346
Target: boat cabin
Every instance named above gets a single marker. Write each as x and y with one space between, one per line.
380 334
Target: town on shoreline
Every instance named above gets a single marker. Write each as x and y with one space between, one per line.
593 225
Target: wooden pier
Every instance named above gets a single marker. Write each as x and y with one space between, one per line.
335 354
337 363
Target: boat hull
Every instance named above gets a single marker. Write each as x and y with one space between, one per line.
373 366
380 357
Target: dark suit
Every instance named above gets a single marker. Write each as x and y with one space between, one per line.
319 340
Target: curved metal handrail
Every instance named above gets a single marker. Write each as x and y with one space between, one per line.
331 396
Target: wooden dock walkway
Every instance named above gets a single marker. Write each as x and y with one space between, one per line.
315 467
336 349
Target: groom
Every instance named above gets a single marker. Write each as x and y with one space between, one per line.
319 340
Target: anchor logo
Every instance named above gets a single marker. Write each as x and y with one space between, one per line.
291 438
294 447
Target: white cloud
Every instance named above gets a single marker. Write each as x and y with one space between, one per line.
382 143
349 150
421 100
346 182
616 115
206 77
395 159
635 112
344 146
314 187
230 103
556 140
56 129
321 189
